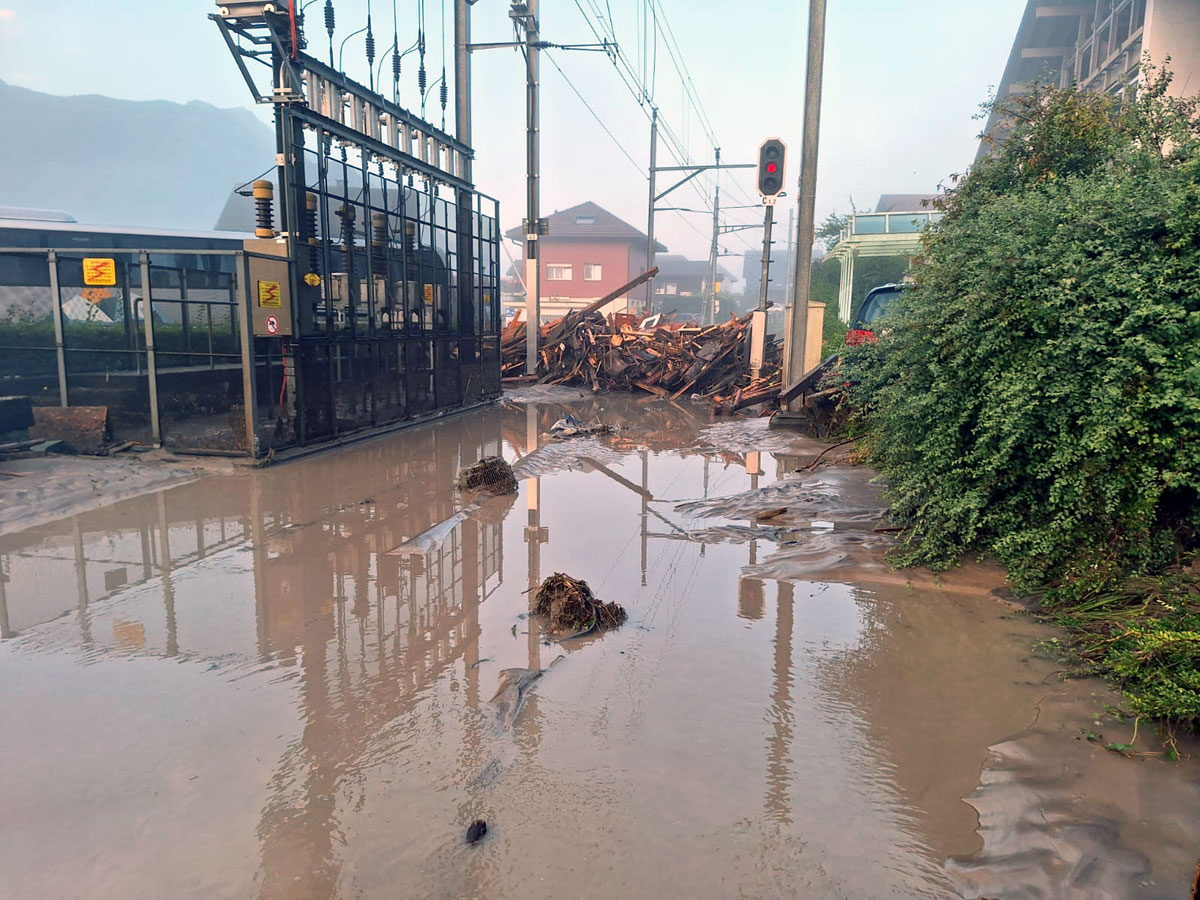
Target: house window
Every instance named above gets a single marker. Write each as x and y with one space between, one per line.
558 271
592 272
585 220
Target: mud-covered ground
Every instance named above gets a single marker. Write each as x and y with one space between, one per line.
306 681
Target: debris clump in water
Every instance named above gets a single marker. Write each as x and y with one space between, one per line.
571 607
570 426
491 475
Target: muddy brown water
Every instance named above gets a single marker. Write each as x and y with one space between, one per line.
279 684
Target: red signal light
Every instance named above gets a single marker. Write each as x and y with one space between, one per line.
772 168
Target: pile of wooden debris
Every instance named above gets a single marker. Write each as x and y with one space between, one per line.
666 359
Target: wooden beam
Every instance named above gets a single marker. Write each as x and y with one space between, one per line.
809 380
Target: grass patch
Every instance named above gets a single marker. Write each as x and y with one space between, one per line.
1144 637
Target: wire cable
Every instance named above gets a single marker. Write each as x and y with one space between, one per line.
595 115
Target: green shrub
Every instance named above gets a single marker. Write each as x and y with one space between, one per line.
1037 396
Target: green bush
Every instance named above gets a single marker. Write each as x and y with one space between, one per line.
1037 396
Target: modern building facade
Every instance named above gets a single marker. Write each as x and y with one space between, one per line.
588 253
1099 45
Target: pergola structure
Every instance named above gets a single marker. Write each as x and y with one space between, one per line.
876 234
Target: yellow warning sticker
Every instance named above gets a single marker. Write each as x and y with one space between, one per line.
270 294
429 294
99 272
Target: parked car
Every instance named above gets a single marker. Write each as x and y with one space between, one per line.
874 305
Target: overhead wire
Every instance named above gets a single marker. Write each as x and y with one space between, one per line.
595 115
642 86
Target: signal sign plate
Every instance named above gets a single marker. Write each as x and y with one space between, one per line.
272 325
270 294
99 272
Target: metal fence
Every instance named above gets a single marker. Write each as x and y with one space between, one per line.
168 345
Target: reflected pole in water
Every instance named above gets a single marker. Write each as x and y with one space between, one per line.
258 549
164 540
85 622
5 626
535 534
753 468
779 778
645 509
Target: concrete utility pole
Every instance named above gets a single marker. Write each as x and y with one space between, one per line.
533 275
794 359
789 260
710 308
653 200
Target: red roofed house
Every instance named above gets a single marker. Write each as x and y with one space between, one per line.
588 253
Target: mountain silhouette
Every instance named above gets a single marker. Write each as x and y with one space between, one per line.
153 163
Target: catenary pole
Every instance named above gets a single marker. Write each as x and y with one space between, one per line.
470 315
533 278
650 207
710 308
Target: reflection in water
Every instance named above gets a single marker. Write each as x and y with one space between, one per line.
779 780
361 583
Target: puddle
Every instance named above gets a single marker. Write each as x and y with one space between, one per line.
306 681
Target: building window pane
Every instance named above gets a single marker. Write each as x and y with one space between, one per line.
558 272
592 272
870 224
585 220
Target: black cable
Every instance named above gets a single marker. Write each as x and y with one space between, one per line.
595 115
238 189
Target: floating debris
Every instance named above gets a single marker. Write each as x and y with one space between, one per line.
491 475
514 688
570 426
572 608
476 830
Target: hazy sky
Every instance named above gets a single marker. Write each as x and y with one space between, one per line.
903 79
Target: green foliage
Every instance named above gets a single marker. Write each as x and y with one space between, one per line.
1146 636
1037 396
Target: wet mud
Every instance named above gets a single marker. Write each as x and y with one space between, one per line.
310 681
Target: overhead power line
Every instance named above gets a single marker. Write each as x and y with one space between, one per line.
637 165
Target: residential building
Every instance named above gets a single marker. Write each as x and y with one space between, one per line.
1099 45
587 254
681 285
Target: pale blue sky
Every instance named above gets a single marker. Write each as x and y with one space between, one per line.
903 79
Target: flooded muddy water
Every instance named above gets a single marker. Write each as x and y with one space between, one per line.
307 681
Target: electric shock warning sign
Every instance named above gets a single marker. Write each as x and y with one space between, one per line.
99 272
270 295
